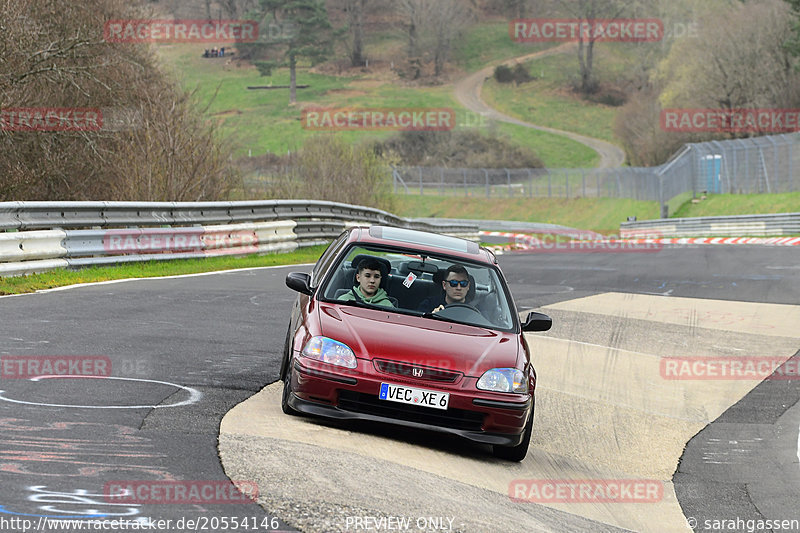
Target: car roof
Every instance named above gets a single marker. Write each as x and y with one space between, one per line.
422 241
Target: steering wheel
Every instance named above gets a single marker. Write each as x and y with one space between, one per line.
461 304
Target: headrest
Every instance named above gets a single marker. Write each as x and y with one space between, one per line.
386 266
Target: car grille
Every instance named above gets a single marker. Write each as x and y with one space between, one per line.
451 418
407 371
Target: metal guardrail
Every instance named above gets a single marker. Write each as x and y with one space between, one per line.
81 234
41 215
719 226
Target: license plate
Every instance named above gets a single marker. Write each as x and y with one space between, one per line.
414 396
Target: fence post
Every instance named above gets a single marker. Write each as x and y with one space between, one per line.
791 166
566 188
488 191
664 206
464 172
747 167
776 176
441 180
549 184
597 175
583 179
421 191
508 181
530 184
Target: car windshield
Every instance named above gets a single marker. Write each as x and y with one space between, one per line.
430 286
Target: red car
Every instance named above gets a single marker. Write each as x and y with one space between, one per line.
415 329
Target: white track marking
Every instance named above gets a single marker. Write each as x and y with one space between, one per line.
194 394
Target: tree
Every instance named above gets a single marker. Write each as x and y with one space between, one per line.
233 9
150 143
303 33
587 11
793 43
516 7
355 17
415 13
743 63
448 19
433 25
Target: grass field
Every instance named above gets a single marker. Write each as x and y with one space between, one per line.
599 214
741 204
488 43
259 121
548 101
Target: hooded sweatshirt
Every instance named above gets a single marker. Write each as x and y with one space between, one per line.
379 298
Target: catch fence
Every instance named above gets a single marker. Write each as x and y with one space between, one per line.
740 166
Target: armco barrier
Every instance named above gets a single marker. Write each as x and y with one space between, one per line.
82 234
722 226
30 245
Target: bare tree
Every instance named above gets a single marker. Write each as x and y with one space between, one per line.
355 18
415 13
742 63
53 55
449 18
235 9
432 25
587 11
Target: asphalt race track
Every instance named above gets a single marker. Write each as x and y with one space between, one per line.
193 349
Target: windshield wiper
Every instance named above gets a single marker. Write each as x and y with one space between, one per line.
431 314
366 305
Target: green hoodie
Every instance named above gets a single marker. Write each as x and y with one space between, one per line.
380 297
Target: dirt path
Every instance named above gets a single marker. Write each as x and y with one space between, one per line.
468 92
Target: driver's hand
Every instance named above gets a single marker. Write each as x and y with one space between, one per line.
438 309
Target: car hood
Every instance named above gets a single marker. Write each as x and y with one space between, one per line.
375 334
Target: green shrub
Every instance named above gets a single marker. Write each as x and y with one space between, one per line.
503 74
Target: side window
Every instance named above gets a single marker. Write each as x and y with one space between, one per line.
326 259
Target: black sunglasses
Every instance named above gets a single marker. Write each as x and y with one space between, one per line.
456 283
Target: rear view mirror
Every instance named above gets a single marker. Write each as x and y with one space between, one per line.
537 322
419 266
300 282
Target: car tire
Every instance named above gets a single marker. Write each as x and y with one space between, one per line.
287 393
516 453
286 352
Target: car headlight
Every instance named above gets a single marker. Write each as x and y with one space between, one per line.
503 380
330 351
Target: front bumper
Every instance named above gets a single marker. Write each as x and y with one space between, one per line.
325 393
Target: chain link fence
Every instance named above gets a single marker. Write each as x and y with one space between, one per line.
740 166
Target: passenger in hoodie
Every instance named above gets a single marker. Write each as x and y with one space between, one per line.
368 289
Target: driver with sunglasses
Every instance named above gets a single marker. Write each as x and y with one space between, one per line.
456 288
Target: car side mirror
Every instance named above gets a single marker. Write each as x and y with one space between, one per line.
300 282
537 322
